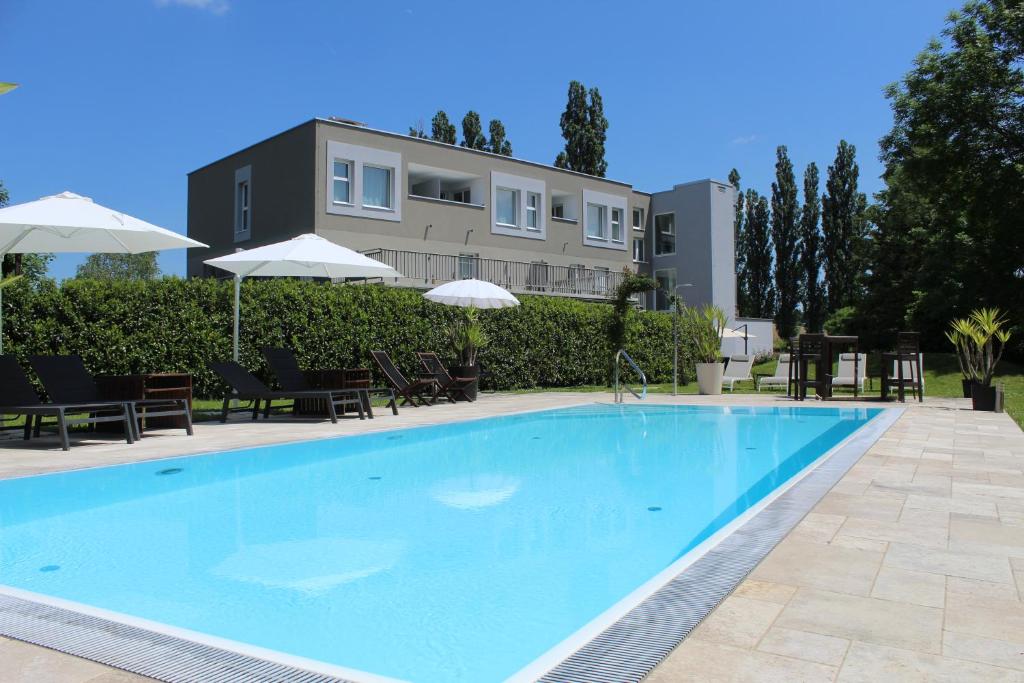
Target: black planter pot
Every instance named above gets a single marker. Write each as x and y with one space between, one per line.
468 371
983 398
967 384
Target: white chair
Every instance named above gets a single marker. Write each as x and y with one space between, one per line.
781 376
845 372
738 370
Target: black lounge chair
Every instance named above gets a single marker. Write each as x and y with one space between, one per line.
247 387
289 375
19 398
67 381
452 387
412 393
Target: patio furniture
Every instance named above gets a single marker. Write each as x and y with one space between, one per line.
851 371
412 393
290 377
737 370
811 352
67 381
20 398
149 385
453 388
245 386
907 364
783 374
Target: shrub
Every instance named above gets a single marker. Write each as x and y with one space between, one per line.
179 325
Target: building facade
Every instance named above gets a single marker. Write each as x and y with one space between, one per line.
438 212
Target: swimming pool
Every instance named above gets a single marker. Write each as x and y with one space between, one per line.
458 552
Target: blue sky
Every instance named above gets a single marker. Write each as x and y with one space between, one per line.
120 99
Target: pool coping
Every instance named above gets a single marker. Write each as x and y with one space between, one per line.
624 643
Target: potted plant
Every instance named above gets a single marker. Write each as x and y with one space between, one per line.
706 326
979 340
468 337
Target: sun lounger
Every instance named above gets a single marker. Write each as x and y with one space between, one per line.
422 391
782 376
453 388
845 371
738 370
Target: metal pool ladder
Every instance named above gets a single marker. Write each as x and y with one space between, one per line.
618 388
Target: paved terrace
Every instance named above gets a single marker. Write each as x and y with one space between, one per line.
910 569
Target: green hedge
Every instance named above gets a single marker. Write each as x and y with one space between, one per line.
179 325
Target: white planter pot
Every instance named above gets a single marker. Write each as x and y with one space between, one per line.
709 378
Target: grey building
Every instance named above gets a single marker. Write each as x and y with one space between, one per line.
438 212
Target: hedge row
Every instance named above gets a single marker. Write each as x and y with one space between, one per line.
179 325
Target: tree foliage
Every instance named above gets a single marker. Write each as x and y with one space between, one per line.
498 144
441 129
786 238
757 264
584 128
32 267
810 252
120 267
742 294
417 130
843 229
473 131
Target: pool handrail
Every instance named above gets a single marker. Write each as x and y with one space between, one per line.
619 394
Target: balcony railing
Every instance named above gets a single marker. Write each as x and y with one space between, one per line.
516 276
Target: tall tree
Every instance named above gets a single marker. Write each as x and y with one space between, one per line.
441 129
473 131
120 267
498 143
810 252
843 229
742 294
757 264
786 238
585 129
417 130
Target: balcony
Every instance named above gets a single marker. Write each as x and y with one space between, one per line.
427 270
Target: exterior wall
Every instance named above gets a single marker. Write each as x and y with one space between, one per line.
760 337
282 181
705 244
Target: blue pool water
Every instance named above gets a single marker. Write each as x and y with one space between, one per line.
459 552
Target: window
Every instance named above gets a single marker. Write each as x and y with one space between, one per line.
558 211
342 182
469 266
639 253
666 287
242 221
664 234
638 219
376 187
532 205
596 221
616 225
506 207
461 196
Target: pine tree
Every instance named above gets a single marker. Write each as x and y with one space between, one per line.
742 293
498 143
810 252
757 264
441 129
786 237
584 128
473 131
843 229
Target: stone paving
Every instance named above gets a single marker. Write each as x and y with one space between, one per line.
910 569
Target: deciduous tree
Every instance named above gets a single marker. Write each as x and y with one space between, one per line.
441 129
473 131
498 143
757 264
584 128
810 251
786 238
843 229
120 267
742 294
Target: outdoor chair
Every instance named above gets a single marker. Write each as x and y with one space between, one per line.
20 398
907 366
422 391
453 388
290 377
737 370
245 386
66 380
783 374
848 363
811 352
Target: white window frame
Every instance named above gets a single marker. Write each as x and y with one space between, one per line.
533 211
643 215
391 187
473 261
515 208
522 185
675 234
609 201
612 222
602 215
243 177
643 250
357 157
335 178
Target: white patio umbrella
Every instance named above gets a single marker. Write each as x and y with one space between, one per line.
307 255
68 222
475 293
733 334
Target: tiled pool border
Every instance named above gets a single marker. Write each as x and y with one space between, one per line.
623 647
